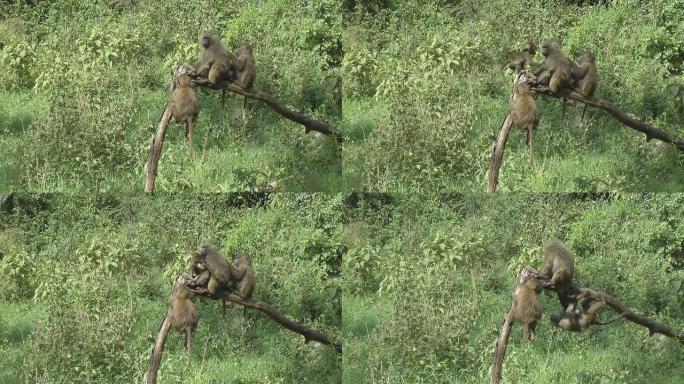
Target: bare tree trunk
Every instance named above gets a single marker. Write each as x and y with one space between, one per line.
155 150
155 358
500 351
497 154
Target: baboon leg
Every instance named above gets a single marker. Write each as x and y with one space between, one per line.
188 135
563 102
529 135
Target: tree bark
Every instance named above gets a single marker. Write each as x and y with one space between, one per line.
155 150
650 131
500 350
155 358
308 123
497 154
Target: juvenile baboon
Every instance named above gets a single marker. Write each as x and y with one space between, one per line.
183 316
184 106
556 70
211 269
526 307
579 317
246 69
558 269
243 276
518 60
243 279
587 76
524 112
214 62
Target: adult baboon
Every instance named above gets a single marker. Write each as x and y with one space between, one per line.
524 112
246 69
558 269
214 62
556 70
183 316
211 269
587 76
184 106
526 307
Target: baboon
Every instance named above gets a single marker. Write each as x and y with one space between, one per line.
526 307
579 317
243 279
556 70
524 112
214 62
587 76
518 60
211 269
184 106
183 316
558 270
243 276
245 69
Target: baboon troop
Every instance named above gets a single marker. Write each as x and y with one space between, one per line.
580 307
183 316
210 269
526 307
184 106
524 112
557 72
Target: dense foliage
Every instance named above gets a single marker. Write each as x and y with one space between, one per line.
425 94
86 281
428 281
85 82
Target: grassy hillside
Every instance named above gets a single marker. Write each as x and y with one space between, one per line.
425 95
428 281
86 281
85 82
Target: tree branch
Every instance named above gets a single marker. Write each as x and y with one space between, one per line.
650 131
308 123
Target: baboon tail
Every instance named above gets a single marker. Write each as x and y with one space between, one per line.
609 321
583 111
189 346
